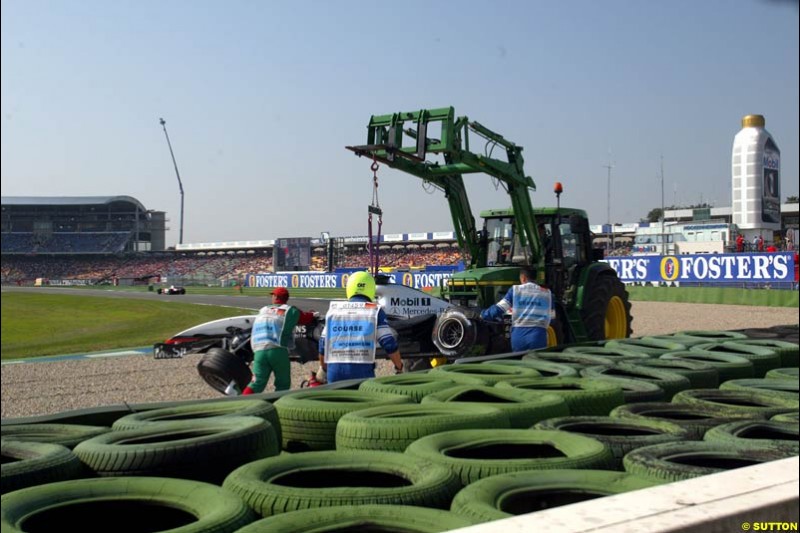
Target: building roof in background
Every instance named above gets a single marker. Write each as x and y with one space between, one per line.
69 200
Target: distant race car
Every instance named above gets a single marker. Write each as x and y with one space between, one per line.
172 289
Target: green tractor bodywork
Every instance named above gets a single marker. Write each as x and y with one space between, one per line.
556 241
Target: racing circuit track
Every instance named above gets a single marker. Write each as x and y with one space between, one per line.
54 387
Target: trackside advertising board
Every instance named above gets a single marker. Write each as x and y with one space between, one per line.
417 279
706 268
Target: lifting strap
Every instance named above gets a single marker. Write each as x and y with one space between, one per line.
373 245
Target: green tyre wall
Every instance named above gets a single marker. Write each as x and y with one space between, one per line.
140 504
202 411
416 385
748 402
728 366
518 493
615 354
69 435
763 359
787 418
710 335
394 427
789 352
202 450
523 408
26 464
676 461
783 373
634 390
361 518
474 454
583 396
621 435
700 375
670 382
574 359
547 368
326 479
309 418
487 374
696 419
787 387
757 434
647 346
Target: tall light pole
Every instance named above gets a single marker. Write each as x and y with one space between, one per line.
663 236
180 185
609 166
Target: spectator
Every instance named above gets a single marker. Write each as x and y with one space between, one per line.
740 243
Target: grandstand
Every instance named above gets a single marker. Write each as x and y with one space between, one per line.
79 225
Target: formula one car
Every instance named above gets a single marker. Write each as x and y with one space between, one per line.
427 327
172 289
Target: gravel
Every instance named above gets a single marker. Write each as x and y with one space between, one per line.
54 387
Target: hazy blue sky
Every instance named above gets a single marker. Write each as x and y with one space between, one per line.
261 97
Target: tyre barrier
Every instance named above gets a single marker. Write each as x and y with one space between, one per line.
416 386
331 478
573 359
757 434
789 352
203 411
368 518
26 464
783 373
583 396
615 354
523 408
696 419
647 346
711 335
763 359
675 461
788 387
124 504
670 382
69 435
482 374
474 454
200 450
518 493
634 390
545 368
621 435
749 402
728 366
309 417
787 418
700 375
394 427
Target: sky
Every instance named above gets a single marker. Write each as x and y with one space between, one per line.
261 97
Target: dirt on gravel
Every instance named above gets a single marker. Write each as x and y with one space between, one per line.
30 389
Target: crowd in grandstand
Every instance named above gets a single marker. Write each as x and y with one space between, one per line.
153 267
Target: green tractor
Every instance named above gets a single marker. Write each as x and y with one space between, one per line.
591 303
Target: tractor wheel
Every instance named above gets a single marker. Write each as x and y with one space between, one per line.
607 311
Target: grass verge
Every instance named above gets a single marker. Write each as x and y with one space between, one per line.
53 324
715 295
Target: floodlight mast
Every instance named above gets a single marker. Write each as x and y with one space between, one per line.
180 185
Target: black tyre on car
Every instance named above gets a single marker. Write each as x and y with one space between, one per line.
220 367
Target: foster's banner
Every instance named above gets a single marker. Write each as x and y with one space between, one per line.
417 279
707 268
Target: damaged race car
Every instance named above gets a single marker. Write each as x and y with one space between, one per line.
430 331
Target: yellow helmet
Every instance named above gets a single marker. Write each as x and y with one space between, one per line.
361 283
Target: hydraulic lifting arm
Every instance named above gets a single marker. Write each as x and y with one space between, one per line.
385 135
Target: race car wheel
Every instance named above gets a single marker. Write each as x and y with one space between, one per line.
219 367
454 333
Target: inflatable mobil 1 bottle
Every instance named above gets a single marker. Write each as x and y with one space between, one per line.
756 172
